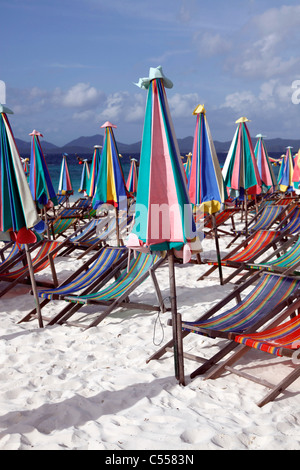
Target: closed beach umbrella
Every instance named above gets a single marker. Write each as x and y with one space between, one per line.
40 183
18 213
268 179
94 170
296 172
187 164
240 170
132 177
110 186
162 187
85 175
26 166
65 184
286 172
205 182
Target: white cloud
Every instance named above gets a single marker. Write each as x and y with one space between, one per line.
182 106
211 44
81 95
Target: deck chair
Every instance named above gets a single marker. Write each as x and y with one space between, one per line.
47 251
264 220
103 233
279 339
293 225
116 294
270 295
286 262
58 227
246 252
88 276
221 219
9 254
84 232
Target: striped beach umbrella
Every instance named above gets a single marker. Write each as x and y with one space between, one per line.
205 182
132 177
85 175
94 170
18 213
187 164
296 172
26 166
268 179
40 183
65 184
240 170
163 217
110 186
286 172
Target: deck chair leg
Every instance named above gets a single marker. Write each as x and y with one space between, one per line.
280 387
219 369
214 359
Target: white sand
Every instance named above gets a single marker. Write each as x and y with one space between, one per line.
64 388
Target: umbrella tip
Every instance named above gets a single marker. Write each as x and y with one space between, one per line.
108 124
260 136
242 119
5 109
34 132
199 109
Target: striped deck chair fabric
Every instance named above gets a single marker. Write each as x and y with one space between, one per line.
260 240
289 259
61 225
221 218
14 250
46 248
281 340
269 292
106 259
267 218
137 268
293 226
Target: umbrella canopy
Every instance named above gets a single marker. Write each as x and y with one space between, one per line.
187 164
268 179
286 172
26 166
94 170
132 177
163 217
17 208
296 172
205 182
64 185
85 175
162 184
40 183
110 186
240 171
18 213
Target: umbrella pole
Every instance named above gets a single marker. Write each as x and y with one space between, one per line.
176 323
217 248
117 225
246 213
33 285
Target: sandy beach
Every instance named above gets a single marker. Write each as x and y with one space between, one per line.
63 388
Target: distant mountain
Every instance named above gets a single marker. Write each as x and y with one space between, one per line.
85 146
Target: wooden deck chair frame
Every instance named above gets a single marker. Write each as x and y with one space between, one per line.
262 319
221 218
59 226
113 303
104 273
263 220
263 338
284 260
253 247
47 251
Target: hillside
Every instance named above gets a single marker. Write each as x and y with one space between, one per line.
85 145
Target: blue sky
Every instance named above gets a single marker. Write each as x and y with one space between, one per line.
71 65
